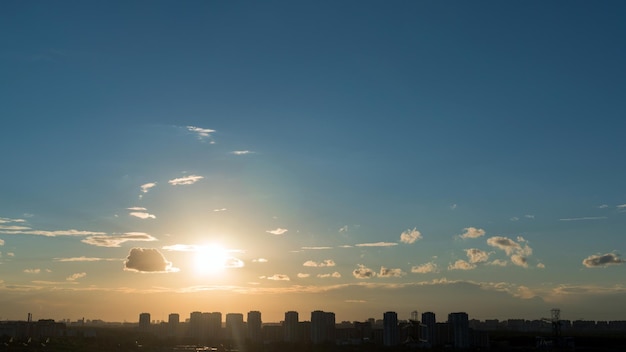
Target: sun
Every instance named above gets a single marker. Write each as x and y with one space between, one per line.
210 259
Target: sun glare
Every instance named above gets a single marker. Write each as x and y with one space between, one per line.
210 259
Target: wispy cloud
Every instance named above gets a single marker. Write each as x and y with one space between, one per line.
32 271
187 180
389 272
453 206
117 240
219 209
137 209
602 260
85 259
147 260
343 229
426 268
410 236
202 133
28 231
363 272
1 242
472 232
241 152
259 260
324 263
142 215
584 218
9 220
76 276
303 275
355 301
603 206
278 231
316 248
377 244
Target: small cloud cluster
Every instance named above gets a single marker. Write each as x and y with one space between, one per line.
389 272
32 271
472 232
518 251
461 265
147 186
324 263
429 267
602 260
410 236
241 152
276 277
202 133
335 275
147 260
377 244
363 272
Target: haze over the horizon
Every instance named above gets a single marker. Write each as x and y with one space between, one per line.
351 156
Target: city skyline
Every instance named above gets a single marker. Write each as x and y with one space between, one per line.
352 157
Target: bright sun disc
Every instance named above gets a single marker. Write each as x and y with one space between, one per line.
210 259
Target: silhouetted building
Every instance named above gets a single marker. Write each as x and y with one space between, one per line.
391 333
214 328
144 321
428 319
235 328
173 324
255 332
322 327
290 326
195 326
459 330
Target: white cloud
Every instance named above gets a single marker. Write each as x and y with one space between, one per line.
303 275
259 260
585 218
472 232
1 242
333 275
461 265
363 272
219 209
325 263
518 251
13 228
621 206
541 266
147 186
377 244
278 277
117 240
241 152
528 216
10 254
602 260
515 218
453 206
51 233
355 301
316 248
137 208
389 272
76 276
202 133
142 215
84 259
278 231
343 229
32 271
603 206
9 220
430 267
187 180
410 236
147 260
476 255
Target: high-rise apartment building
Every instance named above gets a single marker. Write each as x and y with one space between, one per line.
235 328
391 332
214 329
322 327
458 324
290 326
144 321
255 332
429 319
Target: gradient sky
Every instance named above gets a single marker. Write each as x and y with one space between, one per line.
349 156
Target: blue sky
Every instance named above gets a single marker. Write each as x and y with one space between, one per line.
353 156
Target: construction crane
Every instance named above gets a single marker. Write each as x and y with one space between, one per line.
555 321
